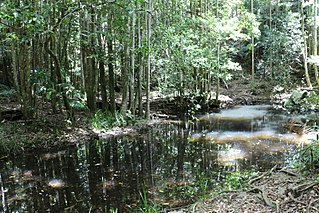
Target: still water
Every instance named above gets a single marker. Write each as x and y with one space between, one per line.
167 163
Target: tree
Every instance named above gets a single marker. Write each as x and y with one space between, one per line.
252 45
304 45
148 19
315 39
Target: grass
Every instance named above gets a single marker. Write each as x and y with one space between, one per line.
106 120
13 144
307 158
146 205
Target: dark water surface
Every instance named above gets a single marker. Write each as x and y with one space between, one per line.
166 162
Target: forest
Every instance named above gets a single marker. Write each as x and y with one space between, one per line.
159 105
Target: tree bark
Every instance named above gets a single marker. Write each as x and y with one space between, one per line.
88 60
22 76
305 48
148 71
252 45
139 94
315 39
111 66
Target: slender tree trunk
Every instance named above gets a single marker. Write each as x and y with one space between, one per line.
58 74
88 61
218 71
132 70
252 45
103 85
22 68
91 71
148 73
218 58
305 48
315 39
111 66
139 94
270 28
125 79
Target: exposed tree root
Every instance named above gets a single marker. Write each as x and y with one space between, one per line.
289 172
261 176
278 191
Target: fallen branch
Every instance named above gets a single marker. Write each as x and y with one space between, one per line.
304 187
310 205
295 200
289 172
264 196
263 175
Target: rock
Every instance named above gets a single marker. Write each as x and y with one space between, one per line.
295 99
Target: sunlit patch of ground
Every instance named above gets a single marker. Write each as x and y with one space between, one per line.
56 183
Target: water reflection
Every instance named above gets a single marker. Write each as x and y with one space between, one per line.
106 174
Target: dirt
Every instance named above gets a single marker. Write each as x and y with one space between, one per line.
283 190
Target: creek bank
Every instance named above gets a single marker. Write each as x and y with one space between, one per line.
298 100
276 190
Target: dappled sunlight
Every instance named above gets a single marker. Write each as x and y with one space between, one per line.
230 157
56 183
238 113
174 161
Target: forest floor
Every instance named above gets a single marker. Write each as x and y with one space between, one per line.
273 191
276 190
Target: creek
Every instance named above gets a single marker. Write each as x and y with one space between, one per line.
170 163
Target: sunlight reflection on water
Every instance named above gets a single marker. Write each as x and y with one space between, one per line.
165 160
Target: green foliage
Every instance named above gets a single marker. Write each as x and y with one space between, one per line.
307 158
46 89
114 210
280 42
105 120
189 191
312 101
7 93
24 15
146 205
237 180
303 100
11 145
186 55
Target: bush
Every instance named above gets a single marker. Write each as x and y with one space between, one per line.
307 158
105 120
7 92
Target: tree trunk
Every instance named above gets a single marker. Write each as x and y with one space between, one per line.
139 95
132 73
315 39
111 66
125 79
60 79
252 45
23 71
305 48
88 60
103 84
218 71
148 72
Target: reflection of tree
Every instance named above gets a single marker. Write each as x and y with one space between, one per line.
94 173
75 191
